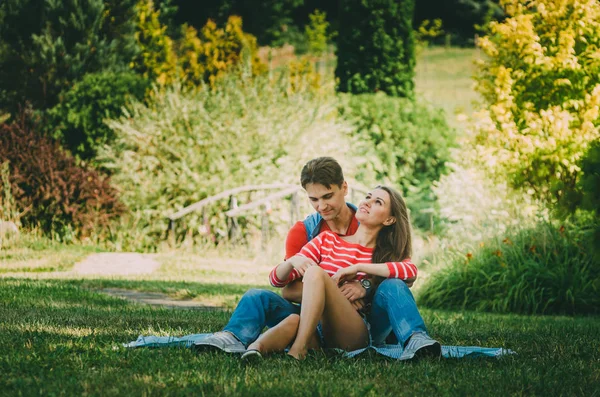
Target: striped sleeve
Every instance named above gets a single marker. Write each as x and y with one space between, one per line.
312 249
403 270
277 283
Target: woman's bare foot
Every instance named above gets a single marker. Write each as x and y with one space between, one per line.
298 354
277 338
256 345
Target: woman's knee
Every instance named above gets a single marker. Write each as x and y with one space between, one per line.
314 272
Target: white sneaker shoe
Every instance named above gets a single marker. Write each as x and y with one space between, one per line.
220 341
421 345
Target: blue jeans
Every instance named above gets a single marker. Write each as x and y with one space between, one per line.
258 308
393 309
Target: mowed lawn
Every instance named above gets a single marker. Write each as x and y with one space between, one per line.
60 337
444 77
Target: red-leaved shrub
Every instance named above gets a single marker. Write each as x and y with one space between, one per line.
51 190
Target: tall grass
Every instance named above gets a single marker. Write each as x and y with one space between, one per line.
542 270
188 145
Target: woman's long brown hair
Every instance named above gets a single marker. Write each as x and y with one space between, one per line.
394 242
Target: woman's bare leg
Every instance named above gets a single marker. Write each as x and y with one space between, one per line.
278 337
322 301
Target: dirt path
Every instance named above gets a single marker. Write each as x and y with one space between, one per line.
116 264
131 263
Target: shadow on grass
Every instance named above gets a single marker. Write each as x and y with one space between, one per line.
60 337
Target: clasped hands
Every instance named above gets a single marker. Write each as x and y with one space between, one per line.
350 288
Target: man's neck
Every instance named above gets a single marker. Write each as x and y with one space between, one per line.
341 223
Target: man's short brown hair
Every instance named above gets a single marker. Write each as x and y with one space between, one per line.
322 170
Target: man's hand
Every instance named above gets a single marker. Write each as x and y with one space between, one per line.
353 290
300 263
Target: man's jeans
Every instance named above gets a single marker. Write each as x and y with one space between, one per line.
393 309
258 308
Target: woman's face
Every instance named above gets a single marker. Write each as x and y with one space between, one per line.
375 209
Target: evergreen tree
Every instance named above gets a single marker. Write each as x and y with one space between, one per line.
376 47
48 45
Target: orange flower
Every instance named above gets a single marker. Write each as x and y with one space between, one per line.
532 248
562 229
469 255
498 253
507 241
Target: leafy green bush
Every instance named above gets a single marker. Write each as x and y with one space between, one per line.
540 79
188 145
51 191
79 118
45 46
404 143
375 47
156 59
543 270
586 196
209 54
317 33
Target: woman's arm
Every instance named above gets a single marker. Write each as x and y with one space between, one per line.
294 267
405 270
289 270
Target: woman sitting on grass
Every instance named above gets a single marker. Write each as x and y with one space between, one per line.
382 240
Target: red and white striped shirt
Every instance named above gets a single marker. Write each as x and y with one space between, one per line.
331 253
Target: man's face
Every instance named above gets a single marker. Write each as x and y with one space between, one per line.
327 202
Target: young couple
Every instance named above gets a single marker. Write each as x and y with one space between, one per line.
334 261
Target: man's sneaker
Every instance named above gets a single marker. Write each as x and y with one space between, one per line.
220 341
421 345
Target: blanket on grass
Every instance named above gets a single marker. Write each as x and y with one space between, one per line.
392 351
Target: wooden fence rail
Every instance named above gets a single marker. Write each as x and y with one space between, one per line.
235 210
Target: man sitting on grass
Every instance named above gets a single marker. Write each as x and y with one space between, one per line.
393 314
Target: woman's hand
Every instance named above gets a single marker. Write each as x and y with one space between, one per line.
300 263
345 274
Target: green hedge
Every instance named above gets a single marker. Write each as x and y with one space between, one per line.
405 143
375 47
544 270
78 121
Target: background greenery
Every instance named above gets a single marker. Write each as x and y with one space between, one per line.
116 115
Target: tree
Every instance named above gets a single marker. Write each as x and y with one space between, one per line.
267 19
541 82
460 18
376 49
156 60
48 45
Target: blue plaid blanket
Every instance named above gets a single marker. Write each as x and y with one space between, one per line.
392 351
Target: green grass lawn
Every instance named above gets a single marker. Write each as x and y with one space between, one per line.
35 254
443 76
59 337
